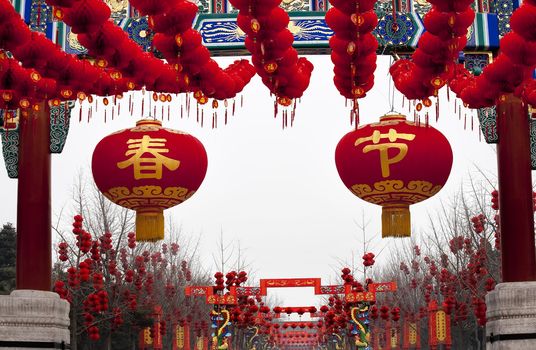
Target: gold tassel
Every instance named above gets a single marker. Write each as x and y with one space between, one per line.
149 226
396 222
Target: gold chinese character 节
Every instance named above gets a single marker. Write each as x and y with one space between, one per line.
148 167
383 148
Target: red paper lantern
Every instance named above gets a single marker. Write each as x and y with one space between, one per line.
394 163
149 168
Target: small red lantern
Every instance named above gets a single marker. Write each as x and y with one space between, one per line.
394 163
149 168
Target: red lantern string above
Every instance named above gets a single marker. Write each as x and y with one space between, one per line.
511 72
437 53
181 46
112 48
35 51
434 62
270 43
353 48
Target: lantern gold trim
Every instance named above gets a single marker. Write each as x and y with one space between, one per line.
149 225
396 221
149 203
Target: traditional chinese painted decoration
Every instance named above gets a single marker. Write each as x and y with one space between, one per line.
360 327
394 163
149 168
221 322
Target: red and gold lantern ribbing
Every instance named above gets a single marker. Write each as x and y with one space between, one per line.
149 168
394 163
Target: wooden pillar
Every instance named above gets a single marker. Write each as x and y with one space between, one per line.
34 260
515 191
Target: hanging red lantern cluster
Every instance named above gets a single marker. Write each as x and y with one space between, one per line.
395 314
20 87
433 61
380 163
374 312
270 43
384 312
112 48
218 282
353 47
181 46
511 71
368 259
148 169
54 75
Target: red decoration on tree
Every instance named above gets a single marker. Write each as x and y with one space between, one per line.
394 163
148 169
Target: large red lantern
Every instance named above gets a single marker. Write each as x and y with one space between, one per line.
149 168
394 163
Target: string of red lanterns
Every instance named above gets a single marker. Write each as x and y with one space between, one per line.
112 48
512 69
433 61
270 43
54 75
434 64
181 46
353 48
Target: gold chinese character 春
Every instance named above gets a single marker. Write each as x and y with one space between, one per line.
146 167
383 148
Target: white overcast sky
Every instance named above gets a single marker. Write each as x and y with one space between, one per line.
275 191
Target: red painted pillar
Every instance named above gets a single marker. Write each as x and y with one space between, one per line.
515 191
187 336
34 260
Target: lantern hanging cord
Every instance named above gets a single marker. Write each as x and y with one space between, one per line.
391 89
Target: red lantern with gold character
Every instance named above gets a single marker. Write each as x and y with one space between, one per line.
394 163
149 168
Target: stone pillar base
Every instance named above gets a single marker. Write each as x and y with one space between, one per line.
511 314
31 319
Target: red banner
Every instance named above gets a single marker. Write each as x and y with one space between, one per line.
330 290
439 326
382 287
289 282
411 336
227 299
197 291
356 297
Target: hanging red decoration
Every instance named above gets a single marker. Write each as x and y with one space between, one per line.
353 48
270 43
149 168
394 163
182 47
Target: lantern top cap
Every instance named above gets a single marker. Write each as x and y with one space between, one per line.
149 122
397 116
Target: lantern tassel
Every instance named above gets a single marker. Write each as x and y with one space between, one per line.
396 222
149 226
